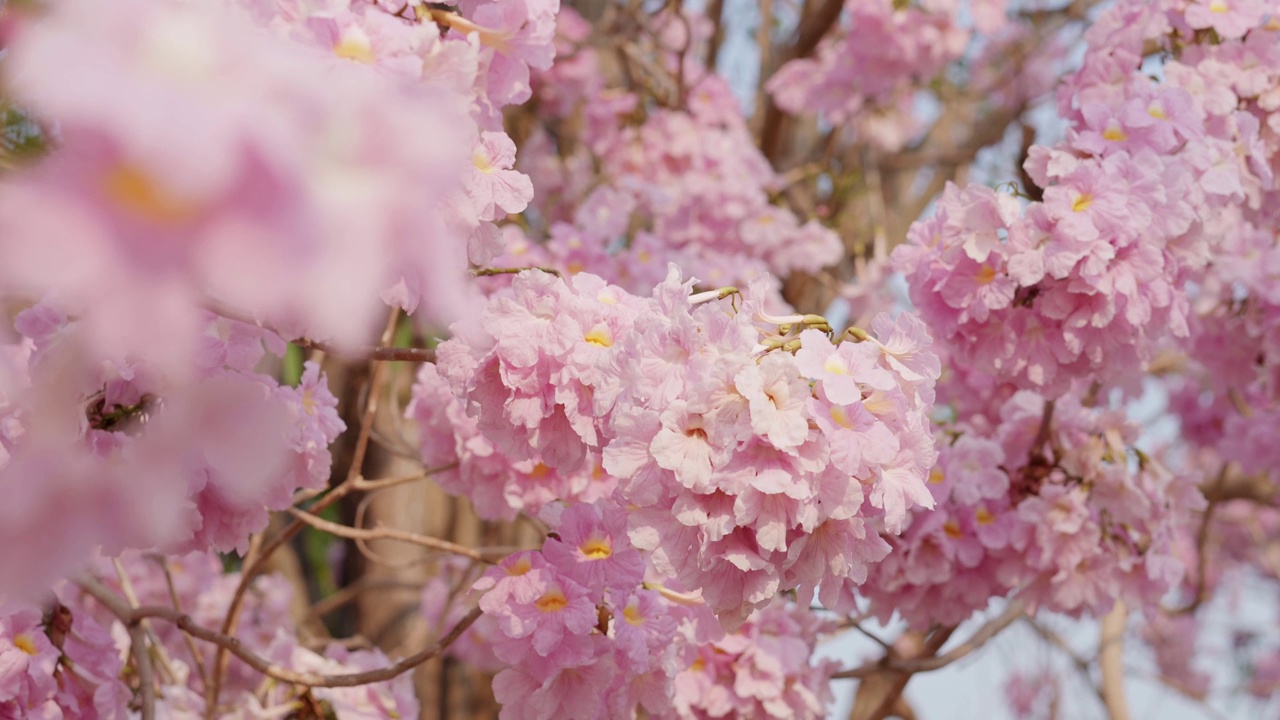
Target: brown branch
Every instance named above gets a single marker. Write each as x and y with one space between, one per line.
355 352
132 618
1046 427
384 354
764 46
1016 609
1111 662
141 658
163 562
715 13
810 32
382 533
1202 560
252 570
383 483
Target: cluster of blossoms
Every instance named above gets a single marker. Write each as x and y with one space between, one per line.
1072 517
577 632
56 664
643 187
868 78
191 462
350 157
867 75
1224 385
71 658
751 461
1086 280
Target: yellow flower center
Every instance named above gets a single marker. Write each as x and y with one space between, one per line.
135 191
835 365
539 471
482 162
599 335
935 476
1218 6
631 614
952 529
1115 133
597 548
840 417
986 275
1082 203
519 567
354 46
552 601
1157 112
984 516
24 643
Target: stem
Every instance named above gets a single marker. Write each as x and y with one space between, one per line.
132 617
351 533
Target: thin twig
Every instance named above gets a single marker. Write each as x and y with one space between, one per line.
355 352
132 617
383 483
384 354
1015 610
126 585
1202 562
382 533
252 570
177 605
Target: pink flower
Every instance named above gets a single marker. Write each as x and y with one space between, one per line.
494 186
1230 18
542 613
642 629
973 466
27 658
777 396
682 447
593 548
841 369
543 691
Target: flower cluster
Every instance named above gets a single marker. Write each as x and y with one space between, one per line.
187 462
584 636
56 664
866 76
752 461
1067 513
350 157
683 186
1083 281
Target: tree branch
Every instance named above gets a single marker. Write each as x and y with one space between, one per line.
1016 609
141 658
381 533
1111 662
247 574
132 618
